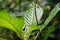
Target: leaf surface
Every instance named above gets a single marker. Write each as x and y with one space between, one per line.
51 16
14 24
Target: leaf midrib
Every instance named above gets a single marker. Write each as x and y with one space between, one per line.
17 31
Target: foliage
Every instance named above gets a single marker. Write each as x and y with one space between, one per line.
2 39
11 23
24 27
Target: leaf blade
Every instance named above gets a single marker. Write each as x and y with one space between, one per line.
14 24
51 16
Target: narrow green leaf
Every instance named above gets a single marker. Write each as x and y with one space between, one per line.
50 30
51 16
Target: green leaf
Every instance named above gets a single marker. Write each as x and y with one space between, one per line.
51 16
30 14
30 17
2 39
33 27
50 30
14 24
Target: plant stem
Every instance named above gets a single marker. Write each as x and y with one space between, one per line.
36 35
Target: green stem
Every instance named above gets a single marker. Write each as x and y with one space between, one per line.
36 35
